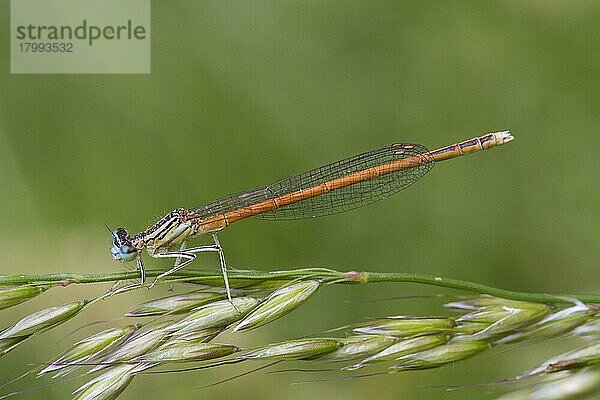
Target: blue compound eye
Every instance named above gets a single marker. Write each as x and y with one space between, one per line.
127 252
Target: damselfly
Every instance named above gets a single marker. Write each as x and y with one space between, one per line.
330 189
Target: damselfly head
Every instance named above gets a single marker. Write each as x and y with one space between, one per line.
122 248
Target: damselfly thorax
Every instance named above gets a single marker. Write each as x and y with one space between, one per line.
333 188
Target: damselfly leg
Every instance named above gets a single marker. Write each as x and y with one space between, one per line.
142 282
178 260
190 255
181 248
223 265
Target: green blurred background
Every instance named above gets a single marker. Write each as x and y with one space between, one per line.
243 93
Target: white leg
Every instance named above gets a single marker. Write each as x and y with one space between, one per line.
223 266
181 249
140 265
189 255
216 247
178 260
179 254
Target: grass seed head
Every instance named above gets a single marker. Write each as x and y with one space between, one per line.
10 343
281 302
89 348
184 352
301 349
142 341
107 386
11 296
552 325
406 326
178 304
469 327
217 314
404 347
485 301
485 316
510 320
355 347
198 336
440 355
40 321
